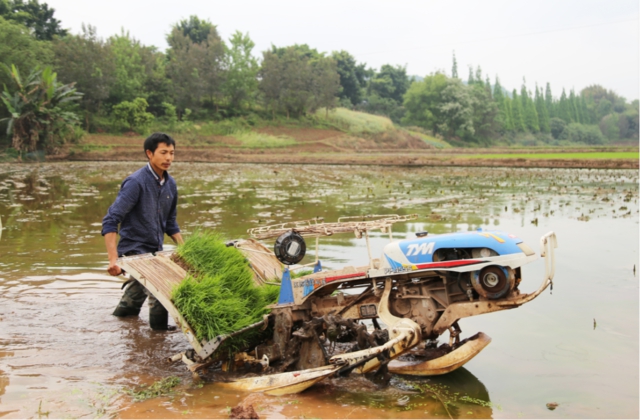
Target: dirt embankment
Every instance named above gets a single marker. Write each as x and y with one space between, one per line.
325 146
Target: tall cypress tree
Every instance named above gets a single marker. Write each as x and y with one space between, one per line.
543 115
530 115
564 108
454 67
517 112
584 110
508 112
548 101
575 114
498 97
478 77
470 80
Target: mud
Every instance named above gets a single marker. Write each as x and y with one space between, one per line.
62 353
326 155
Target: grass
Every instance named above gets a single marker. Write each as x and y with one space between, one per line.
579 155
356 122
254 140
436 142
221 297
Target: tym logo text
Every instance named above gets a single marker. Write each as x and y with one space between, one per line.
415 249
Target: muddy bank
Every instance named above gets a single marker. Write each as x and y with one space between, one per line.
311 155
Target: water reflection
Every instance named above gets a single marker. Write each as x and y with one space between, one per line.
60 345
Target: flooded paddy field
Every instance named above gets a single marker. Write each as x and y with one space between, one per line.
63 355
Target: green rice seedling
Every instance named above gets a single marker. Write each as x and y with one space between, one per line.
220 297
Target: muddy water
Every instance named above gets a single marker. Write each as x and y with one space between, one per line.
62 355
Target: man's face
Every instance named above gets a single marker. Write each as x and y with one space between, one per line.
161 159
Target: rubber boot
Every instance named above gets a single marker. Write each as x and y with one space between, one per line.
131 301
158 315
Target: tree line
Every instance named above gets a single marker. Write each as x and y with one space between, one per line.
119 84
478 111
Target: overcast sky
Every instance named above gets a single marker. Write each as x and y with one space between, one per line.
569 43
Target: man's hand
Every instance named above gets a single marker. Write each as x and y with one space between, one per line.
114 269
177 238
112 252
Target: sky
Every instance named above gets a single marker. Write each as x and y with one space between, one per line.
570 44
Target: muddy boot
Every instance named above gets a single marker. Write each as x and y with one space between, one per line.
132 300
158 315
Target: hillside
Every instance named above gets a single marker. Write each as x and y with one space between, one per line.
339 137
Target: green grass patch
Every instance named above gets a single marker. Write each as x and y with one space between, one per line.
253 140
221 297
436 142
579 155
356 122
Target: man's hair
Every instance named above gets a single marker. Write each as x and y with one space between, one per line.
151 143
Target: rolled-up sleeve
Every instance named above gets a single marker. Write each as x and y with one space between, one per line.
125 201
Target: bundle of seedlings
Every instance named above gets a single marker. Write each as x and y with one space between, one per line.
219 295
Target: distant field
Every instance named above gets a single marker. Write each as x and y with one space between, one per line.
581 155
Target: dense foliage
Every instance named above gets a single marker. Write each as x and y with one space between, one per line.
202 77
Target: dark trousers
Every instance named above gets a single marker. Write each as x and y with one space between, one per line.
132 299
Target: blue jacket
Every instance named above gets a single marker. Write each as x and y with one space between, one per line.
145 211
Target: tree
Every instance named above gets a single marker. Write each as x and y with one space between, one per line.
548 101
541 109
296 80
573 106
499 98
241 84
422 102
457 110
89 62
470 79
35 16
19 48
485 113
40 118
353 77
509 124
391 82
196 30
454 67
130 73
196 63
564 108
530 115
325 83
270 80
517 112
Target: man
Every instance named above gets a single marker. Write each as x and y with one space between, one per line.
145 209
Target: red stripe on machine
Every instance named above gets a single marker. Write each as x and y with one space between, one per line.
346 276
447 264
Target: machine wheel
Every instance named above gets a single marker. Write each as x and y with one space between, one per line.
290 248
492 282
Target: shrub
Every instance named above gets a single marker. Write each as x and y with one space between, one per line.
580 133
133 115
